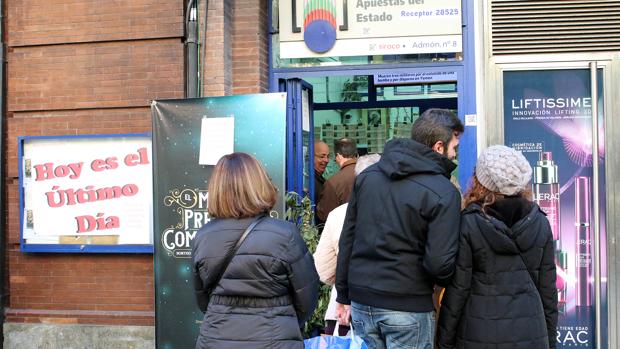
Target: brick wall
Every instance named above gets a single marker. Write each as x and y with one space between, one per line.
217 62
250 47
84 67
41 22
94 75
237 60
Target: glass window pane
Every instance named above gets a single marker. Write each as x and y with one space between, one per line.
370 127
336 89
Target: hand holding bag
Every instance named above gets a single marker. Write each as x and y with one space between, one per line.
334 342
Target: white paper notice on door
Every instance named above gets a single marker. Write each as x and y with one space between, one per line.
217 136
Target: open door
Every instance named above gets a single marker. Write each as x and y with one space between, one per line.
299 136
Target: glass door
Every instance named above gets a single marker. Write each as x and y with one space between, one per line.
555 116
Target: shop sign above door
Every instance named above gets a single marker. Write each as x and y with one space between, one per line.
333 28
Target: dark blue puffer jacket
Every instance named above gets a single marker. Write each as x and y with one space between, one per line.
267 292
503 294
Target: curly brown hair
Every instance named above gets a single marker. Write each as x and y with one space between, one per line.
477 193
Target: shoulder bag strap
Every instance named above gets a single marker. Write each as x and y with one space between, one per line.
525 264
528 271
233 251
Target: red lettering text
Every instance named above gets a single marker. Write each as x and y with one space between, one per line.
99 165
60 197
88 223
48 171
142 158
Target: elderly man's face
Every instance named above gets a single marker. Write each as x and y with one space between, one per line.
321 157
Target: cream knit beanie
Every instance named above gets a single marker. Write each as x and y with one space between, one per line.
503 169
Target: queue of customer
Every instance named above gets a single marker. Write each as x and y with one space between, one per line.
405 232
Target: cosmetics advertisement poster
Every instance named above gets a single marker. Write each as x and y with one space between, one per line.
188 137
548 117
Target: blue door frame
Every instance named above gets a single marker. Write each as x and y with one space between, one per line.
295 158
466 84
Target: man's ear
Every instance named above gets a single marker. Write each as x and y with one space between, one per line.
339 159
439 147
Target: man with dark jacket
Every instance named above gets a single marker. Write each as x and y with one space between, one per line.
338 188
400 236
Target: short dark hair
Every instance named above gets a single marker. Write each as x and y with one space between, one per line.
346 147
436 125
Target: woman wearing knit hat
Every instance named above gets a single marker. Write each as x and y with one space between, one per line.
503 294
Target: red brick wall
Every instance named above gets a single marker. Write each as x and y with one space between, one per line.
83 67
94 75
45 22
217 63
250 47
237 60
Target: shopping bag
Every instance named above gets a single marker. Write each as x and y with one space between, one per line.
334 342
328 342
356 341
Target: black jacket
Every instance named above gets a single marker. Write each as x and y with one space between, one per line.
400 234
493 301
268 291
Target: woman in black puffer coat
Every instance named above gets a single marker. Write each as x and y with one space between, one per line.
503 294
270 287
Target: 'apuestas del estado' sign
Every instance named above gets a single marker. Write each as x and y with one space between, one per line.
332 28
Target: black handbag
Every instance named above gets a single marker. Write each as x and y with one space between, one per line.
222 269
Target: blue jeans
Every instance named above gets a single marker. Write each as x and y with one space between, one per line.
391 329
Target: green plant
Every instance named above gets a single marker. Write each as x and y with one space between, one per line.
299 210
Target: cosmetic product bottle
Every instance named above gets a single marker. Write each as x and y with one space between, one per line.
546 190
561 283
583 255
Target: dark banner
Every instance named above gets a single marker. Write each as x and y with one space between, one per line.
187 135
548 116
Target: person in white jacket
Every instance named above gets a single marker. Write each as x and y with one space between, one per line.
326 254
